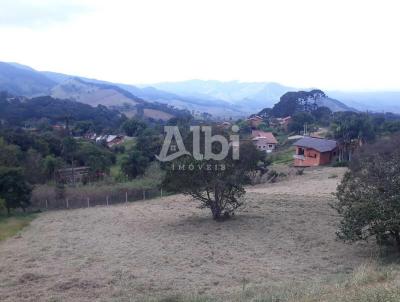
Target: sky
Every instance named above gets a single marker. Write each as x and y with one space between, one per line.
336 45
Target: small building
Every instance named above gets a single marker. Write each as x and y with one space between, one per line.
264 141
90 136
284 122
72 175
255 121
59 127
313 151
113 140
110 140
281 122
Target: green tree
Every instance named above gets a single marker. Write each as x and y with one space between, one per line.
50 165
69 147
244 128
149 143
351 130
14 189
134 164
218 185
82 127
322 116
98 158
133 127
391 126
2 205
9 154
33 167
299 120
369 194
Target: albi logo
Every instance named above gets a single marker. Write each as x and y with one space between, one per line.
172 134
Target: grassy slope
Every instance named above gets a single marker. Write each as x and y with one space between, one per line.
371 282
283 156
10 226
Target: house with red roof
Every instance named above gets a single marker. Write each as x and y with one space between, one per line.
264 141
255 121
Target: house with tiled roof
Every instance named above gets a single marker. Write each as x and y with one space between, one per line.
255 121
264 141
314 151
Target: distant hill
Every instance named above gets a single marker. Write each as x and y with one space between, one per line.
297 101
378 101
221 99
18 110
21 80
154 95
93 94
249 96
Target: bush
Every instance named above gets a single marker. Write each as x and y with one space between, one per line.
14 189
2 205
339 164
272 176
369 194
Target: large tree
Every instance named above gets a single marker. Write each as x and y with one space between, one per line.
149 142
134 164
14 189
299 120
369 194
133 127
218 185
351 130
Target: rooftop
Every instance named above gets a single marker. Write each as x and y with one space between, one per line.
268 136
319 144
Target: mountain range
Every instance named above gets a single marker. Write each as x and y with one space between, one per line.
221 99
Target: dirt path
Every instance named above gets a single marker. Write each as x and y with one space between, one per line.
166 246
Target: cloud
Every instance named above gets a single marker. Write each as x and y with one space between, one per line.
38 13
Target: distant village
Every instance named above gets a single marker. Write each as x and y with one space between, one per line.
310 149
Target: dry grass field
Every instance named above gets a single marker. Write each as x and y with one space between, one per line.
284 236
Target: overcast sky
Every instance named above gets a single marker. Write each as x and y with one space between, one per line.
338 44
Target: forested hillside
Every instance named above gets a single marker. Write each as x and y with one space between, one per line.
18 111
306 101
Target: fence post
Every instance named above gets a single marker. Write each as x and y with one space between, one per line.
67 201
144 194
107 200
47 205
126 196
161 192
88 202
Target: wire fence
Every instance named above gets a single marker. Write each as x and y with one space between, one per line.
48 199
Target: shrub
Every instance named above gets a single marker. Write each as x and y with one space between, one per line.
14 189
339 164
369 194
2 205
272 176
